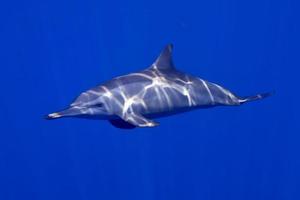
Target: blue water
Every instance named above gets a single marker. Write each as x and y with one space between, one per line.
50 51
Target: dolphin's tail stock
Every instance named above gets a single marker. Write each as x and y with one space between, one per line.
255 97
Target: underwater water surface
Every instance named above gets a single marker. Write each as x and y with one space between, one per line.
51 51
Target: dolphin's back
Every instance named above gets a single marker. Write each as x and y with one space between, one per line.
151 91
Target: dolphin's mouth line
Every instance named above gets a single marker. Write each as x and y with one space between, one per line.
64 113
53 116
72 111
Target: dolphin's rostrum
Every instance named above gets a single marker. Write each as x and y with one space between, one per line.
135 99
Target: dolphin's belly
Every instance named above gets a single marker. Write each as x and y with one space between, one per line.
163 100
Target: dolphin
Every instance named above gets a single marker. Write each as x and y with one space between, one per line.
134 100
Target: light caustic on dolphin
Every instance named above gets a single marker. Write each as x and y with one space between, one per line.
134 100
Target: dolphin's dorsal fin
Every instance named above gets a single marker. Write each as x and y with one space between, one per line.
164 60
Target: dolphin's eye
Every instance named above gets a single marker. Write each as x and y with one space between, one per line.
98 105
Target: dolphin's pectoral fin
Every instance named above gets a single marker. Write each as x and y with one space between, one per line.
138 120
120 123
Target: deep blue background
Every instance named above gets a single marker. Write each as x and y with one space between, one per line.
52 50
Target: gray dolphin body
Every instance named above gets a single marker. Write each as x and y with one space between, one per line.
135 99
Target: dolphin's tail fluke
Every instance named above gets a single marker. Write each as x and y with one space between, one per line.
255 97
